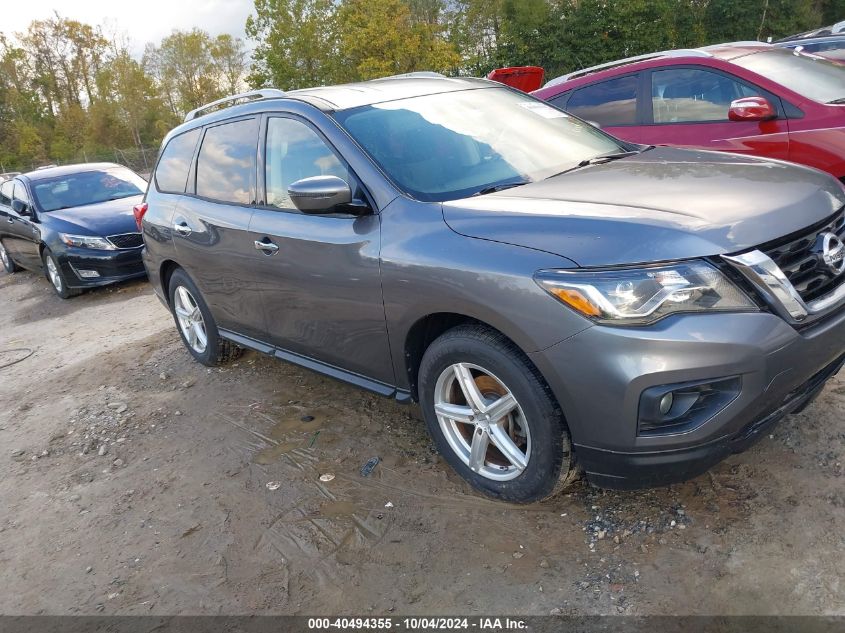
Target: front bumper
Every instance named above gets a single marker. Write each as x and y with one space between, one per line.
111 266
599 375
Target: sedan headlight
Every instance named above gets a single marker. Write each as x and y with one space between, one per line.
639 296
87 241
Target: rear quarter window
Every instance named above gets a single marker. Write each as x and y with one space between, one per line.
172 172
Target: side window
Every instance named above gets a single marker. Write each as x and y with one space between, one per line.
688 94
295 151
21 193
226 162
172 172
560 100
612 102
6 192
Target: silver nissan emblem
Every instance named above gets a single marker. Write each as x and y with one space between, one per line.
833 253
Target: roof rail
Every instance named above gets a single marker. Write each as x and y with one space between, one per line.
420 74
265 93
740 43
682 52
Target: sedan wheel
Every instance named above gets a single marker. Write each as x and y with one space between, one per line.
53 275
190 320
8 264
482 422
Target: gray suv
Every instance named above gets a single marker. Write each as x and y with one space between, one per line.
554 298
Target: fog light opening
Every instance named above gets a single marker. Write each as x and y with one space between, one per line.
88 274
684 406
666 403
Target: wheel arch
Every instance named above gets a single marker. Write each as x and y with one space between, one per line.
428 328
165 272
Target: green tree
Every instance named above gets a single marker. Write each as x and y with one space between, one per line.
380 37
296 43
184 69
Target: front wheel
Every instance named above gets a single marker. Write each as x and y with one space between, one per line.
8 264
492 416
56 277
196 326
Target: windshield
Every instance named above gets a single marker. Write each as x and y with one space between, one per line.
87 187
455 144
813 77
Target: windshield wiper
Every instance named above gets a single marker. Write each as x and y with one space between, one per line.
835 101
499 187
601 159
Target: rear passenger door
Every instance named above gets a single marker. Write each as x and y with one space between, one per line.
319 276
211 225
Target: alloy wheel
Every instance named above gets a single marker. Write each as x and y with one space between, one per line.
5 256
482 421
190 319
53 273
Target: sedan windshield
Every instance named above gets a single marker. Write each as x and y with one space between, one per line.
810 76
87 187
456 144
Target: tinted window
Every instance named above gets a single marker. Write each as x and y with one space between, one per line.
226 162
612 102
295 151
813 77
442 147
690 94
172 171
86 187
6 192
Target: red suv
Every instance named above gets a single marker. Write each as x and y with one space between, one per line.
744 97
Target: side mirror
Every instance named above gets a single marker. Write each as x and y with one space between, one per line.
752 109
21 208
319 194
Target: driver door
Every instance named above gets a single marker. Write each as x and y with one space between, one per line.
22 230
319 275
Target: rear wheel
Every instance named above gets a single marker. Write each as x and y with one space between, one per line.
8 264
195 324
56 277
492 416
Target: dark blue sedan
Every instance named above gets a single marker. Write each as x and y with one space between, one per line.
75 223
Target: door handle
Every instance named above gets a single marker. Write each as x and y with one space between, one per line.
182 228
11 220
268 247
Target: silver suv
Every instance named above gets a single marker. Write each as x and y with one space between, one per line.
553 297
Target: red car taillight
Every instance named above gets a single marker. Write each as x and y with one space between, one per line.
139 210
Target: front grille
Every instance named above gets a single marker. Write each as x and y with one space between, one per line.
799 261
127 240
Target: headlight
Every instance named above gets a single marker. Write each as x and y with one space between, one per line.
644 295
87 241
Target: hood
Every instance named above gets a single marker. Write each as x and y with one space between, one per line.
663 204
105 218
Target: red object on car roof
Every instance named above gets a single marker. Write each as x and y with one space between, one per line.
525 78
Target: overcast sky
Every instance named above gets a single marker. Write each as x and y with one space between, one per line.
142 20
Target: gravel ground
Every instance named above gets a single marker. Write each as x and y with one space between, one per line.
135 481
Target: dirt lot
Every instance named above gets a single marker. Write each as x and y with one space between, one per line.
165 508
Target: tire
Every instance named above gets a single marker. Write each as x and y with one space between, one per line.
9 264
197 319
544 464
56 277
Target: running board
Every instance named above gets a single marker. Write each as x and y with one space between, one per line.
388 391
